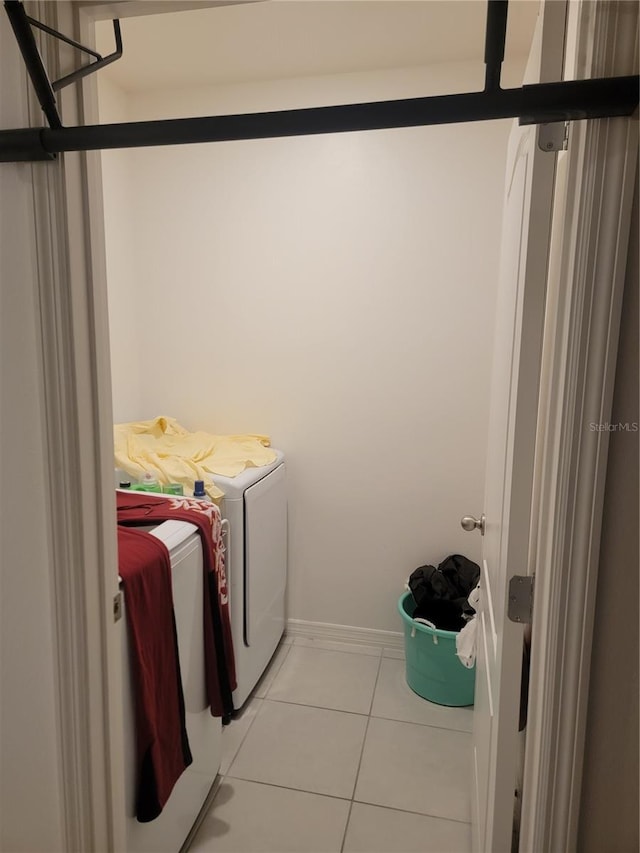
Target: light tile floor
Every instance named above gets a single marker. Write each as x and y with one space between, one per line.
333 753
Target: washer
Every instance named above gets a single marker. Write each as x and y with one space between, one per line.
255 506
168 832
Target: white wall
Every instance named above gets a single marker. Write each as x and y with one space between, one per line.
337 293
30 815
121 262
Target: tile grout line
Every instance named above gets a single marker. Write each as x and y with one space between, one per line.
346 799
366 714
289 788
364 740
346 826
410 811
373 694
260 699
425 725
316 707
416 722
244 737
274 674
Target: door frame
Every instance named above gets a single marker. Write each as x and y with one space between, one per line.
76 406
77 425
78 414
584 304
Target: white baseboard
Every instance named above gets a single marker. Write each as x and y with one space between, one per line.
344 633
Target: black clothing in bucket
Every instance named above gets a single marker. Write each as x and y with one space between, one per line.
441 593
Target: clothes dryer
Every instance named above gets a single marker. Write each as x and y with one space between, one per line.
255 506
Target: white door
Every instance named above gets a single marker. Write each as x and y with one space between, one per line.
510 454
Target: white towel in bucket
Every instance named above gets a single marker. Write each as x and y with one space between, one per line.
466 640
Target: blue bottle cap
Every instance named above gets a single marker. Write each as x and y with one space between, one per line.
198 489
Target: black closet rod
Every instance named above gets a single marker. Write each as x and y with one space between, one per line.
535 104
546 102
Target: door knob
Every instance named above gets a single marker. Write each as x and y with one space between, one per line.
469 523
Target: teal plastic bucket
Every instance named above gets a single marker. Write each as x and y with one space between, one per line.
433 669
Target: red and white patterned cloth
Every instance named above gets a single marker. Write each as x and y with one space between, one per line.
141 508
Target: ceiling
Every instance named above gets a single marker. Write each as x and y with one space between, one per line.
278 39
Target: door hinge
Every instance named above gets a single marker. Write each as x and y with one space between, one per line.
520 607
553 136
117 607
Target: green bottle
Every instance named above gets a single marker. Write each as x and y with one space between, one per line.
149 483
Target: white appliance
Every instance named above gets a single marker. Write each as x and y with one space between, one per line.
167 833
255 505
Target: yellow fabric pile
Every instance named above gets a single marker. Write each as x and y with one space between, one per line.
175 455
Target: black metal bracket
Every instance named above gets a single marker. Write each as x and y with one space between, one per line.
92 67
538 104
22 24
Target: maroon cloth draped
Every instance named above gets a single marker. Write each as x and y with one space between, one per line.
136 508
162 748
